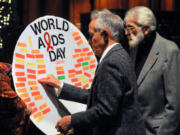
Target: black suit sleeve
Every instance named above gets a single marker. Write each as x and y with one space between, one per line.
72 93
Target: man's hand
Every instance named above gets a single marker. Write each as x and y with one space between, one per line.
64 123
51 81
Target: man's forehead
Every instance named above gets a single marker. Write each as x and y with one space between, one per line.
130 23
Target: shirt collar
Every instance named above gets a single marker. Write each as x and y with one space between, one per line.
106 51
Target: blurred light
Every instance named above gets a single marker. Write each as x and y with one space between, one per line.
5 16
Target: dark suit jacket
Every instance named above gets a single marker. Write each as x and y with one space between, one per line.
159 88
111 102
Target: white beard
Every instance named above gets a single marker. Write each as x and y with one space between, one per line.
135 40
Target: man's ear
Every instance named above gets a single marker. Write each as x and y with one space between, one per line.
146 29
105 34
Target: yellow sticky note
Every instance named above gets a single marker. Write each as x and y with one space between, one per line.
85 81
39 60
93 72
20 61
23 50
39 119
81 78
30 42
30 64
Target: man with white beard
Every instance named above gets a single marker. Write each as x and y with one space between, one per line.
157 65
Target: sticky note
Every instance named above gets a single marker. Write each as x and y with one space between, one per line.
75 33
21 90
41 66
80 42
39 119
38 97
21 44
33 88
32 71
23 50
32 83
21 61
20 74
21 78
38 114
18 55
31 64
30 42
60 68
43 106
35 93
20 85
26 100
35 51
46 111
30 56
19 66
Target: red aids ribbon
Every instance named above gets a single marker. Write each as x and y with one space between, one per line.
48 42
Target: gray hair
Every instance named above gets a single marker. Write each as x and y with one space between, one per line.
110 21
96 13
142 15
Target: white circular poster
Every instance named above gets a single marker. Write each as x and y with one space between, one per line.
51 45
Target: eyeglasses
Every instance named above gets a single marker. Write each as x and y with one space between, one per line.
131 28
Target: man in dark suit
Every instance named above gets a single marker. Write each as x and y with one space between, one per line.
157 65
111 101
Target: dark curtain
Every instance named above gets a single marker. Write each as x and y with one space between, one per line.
29 10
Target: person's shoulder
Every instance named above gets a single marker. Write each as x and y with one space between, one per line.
121 55
167 48
167 44
118 58
119 51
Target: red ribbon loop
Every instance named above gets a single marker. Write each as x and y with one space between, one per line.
48 42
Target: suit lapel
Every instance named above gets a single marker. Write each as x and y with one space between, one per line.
150 61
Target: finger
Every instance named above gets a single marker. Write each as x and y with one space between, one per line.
64 128
41 80
59 129
45 86
60 125
57 124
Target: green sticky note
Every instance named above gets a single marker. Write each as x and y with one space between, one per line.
61 77
85 63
